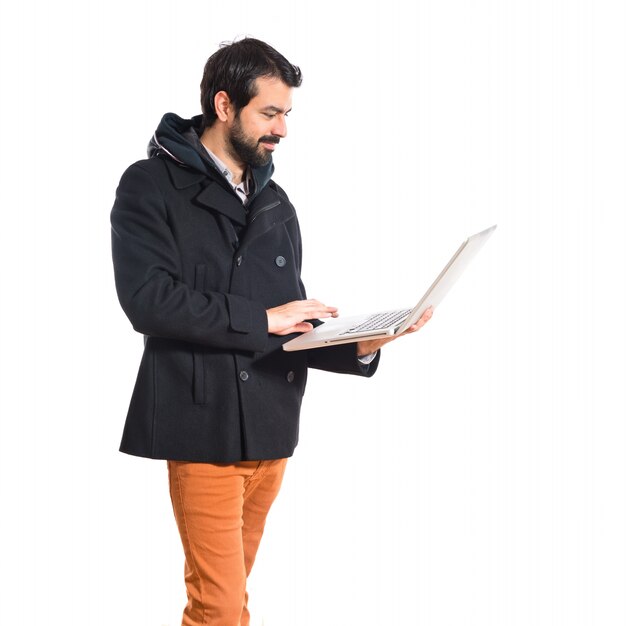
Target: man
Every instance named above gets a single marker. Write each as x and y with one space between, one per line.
207 257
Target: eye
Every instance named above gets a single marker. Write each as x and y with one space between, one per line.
269 116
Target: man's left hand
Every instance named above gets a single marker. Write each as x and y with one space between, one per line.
368 347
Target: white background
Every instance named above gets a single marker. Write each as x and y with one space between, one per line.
480 477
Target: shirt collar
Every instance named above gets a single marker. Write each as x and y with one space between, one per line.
244 188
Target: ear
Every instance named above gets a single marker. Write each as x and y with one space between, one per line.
223 106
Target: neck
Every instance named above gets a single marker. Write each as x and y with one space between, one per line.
213 138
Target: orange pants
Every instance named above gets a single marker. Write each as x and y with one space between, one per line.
220 510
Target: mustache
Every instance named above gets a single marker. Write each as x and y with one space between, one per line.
269 139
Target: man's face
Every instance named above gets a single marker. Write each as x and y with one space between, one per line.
258 127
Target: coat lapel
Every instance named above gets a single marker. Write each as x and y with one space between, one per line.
213 196
265 212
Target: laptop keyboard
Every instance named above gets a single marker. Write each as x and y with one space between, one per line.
379 321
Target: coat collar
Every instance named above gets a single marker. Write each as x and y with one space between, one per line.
264 211
182 176
213 195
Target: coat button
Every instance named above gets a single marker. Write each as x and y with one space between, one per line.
244 375
280 261
239 260
290 377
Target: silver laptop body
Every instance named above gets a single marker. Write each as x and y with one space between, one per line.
350 329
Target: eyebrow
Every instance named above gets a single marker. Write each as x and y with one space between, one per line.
274 109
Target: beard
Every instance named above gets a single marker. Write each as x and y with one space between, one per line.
246 149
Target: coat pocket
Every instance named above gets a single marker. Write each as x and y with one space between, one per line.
199 385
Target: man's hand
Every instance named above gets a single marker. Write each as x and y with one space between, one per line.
368 347
289 318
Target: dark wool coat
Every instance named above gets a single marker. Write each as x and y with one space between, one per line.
195 272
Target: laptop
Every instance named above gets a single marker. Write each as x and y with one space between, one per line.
387 323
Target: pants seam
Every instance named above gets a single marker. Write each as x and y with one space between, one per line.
191 554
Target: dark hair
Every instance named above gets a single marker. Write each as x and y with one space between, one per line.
234 69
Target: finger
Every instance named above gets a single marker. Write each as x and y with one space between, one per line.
426 315
328 311
317 312
316 305
301 327
419 324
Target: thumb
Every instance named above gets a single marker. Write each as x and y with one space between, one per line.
302 327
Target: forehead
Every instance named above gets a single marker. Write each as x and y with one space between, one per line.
272 92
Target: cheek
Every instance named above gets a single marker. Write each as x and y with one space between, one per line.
263 130
258 130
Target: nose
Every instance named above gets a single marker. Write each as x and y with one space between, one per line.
279 127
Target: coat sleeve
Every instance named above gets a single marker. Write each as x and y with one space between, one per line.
148 277
341 359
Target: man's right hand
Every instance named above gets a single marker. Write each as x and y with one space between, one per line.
289 318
